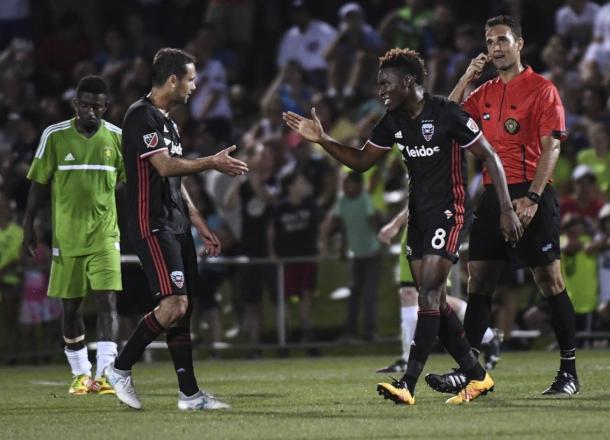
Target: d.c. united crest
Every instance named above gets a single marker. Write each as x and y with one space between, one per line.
427 130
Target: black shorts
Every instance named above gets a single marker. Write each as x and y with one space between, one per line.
437 236
135 298
539 245
170 263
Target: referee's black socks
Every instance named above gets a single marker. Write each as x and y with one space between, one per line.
477 318
564 326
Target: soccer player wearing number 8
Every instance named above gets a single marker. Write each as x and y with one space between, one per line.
432 134
521 114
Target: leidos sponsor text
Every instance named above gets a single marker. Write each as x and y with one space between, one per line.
421 151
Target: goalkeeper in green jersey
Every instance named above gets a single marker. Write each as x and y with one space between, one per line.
78 164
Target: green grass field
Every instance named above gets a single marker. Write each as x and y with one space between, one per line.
302 398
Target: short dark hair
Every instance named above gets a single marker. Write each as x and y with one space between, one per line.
407 61
505 20
169 61
92 84
354 176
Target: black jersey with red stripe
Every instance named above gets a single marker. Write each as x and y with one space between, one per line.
432 145
155 202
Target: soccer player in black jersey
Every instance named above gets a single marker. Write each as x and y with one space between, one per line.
159 225
432 134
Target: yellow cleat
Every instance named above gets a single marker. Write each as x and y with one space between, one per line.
101 386
474 389
80 385
397 392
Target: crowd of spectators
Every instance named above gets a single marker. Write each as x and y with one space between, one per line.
256 59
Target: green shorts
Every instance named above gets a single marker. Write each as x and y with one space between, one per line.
406 277
75 277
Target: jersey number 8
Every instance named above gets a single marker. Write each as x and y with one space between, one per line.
438 240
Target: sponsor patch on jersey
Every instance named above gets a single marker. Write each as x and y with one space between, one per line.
398 134
151 140
472 126
486 116
427 131
511 126
177 278
448 214
69 157
107 153
547 247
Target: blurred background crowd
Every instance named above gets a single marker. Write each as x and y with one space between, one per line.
256 59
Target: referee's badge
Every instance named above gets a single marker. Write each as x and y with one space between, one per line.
427 131
511 126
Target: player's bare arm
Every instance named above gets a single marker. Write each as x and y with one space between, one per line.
36 198
212 246
168 166
525 207
390 229
512 229
312 130
473 72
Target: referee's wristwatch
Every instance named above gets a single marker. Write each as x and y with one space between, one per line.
534 197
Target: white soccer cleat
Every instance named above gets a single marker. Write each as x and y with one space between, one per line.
123 387
200 400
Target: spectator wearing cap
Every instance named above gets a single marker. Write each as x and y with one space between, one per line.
352 56
597 158
600 246
586 200
307 42
579 267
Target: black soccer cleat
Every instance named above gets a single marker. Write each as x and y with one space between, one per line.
450 383
398 366
564 384
492 350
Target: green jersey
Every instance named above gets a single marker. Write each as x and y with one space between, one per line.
10 252
83 173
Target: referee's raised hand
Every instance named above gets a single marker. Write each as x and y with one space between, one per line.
226 164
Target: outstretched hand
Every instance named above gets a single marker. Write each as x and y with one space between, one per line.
310 129
226 164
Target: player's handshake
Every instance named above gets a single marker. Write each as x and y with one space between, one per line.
226 164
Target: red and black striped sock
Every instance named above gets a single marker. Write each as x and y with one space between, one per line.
428 322
148 330
181 349
452 336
